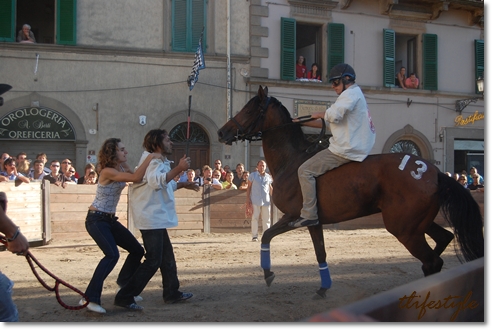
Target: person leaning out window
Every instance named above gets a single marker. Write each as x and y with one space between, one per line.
25 35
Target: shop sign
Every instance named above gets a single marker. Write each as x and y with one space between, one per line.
307 107
35 123
471 119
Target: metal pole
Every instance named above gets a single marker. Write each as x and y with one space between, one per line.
188 128
229 108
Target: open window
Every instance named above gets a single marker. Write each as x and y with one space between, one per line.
51 21
308 44
299 38
400 50
406 53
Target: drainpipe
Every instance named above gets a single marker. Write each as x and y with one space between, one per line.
229 108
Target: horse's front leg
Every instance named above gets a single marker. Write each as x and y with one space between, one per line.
279 228
317 237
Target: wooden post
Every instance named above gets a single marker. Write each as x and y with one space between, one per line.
45 188
206 209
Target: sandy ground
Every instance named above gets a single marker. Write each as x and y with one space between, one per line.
223 271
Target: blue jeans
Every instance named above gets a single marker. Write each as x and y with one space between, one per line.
159 254
108 233
8 311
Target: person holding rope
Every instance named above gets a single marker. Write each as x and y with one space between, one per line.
16 243
353 136
154 210
103 226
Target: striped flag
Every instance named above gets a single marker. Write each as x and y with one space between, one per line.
197 65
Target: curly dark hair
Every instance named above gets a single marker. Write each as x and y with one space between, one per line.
107 153
153 140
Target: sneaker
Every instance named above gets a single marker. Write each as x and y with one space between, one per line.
132 306
93 307
184 296
255 239
301 222
136 298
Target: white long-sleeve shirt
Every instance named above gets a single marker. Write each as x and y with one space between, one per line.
350 123
152 200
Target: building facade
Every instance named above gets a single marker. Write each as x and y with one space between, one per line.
118 68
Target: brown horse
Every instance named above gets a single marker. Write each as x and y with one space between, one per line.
408 191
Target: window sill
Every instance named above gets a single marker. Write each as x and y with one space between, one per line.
323 86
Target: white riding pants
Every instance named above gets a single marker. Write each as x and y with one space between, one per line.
264 212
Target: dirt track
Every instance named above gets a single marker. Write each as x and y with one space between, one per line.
223 271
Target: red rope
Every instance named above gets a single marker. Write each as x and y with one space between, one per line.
30 258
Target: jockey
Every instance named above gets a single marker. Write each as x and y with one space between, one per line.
353 136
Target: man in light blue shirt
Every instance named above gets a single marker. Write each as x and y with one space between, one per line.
258 198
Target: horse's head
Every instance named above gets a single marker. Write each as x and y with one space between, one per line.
249 122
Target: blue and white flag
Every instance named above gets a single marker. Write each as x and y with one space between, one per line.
197 65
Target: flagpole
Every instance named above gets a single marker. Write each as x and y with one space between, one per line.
188 129
198 65
228 107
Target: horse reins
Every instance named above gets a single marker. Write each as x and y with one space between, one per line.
30 258
258 136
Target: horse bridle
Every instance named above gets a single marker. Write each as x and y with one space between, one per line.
242 134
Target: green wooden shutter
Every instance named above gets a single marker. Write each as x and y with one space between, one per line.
66 19
198 23
429 53
336 44
288 49
389 58
188 20
7 20
479 60
179 15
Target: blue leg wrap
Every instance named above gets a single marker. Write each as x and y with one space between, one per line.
265 256
324 273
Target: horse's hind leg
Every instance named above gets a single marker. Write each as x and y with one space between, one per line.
418 247
441 236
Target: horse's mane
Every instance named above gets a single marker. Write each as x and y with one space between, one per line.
296 136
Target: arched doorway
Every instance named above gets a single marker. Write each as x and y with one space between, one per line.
199 144
411 141
407 147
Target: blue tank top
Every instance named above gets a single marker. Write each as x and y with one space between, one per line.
108 196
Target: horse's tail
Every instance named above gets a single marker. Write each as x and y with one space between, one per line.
462 212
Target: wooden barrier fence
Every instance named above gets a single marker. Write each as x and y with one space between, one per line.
25 208
46 212
462 286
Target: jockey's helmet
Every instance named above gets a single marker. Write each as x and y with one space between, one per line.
340 71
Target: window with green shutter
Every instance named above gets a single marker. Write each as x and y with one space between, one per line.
188 22
336 44
301 39
47 28
288 49
429 61
7 20
389 74
479 60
